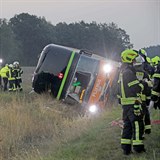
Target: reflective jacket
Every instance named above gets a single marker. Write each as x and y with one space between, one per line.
129 87
155 94
18 73
4 71
148 68
11 74
143 77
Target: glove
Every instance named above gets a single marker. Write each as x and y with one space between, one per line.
150 83
137 110
151 105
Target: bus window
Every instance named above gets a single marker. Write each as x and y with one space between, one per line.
55 61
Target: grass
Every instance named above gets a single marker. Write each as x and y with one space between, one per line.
102 142
37 127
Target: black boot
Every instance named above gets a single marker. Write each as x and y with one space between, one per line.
126 149
125 152
147 131
139 148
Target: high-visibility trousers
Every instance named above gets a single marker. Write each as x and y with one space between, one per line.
12 86
133 130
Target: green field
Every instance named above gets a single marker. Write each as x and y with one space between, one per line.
37 127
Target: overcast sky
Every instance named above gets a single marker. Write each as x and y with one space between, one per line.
139 18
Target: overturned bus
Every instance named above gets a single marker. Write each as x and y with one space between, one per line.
73 75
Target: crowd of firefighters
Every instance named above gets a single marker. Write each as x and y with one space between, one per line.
138 93
10 77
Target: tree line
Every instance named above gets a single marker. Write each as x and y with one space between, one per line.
24 36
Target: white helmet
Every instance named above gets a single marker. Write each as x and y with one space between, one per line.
10 65
15 63
139 60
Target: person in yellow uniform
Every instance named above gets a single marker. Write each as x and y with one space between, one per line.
11 78
129 89
4 71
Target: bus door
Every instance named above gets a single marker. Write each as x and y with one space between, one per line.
83 79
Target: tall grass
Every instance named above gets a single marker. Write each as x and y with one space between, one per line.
34 122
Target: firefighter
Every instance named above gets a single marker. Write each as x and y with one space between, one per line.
146 93
4 71
146 65
0 80
0 74
155 60
11 78
129 93
18 72
155 94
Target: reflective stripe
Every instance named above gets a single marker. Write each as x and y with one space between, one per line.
155 93
143 97
137 106
65 75
125 141
156 75
137 142
148 127
150 84
11 79
118 96
133 83
136 130
148 97
122 86
130 100
140 75
141 85
18 77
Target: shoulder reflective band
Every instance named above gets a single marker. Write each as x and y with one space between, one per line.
155 93
65 75
133 83
156 75
128 101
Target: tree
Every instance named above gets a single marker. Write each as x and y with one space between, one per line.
104 39
9 46
34 33
153 51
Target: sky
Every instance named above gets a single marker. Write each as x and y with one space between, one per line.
139 18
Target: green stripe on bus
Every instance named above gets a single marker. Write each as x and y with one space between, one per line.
65 75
